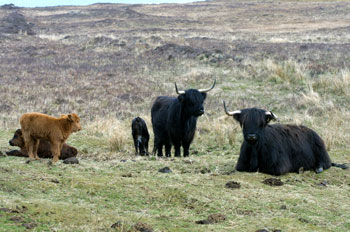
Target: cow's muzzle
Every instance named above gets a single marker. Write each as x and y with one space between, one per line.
11 143
252 138
200 112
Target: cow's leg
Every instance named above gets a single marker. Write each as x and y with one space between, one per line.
253 164
160 149
55 149
142 149
168 149
146 147
243 163
61 146
322 160
186 147
177 146
243 160
28 140
35 148
136 145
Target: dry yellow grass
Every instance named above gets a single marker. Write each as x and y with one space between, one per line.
108 63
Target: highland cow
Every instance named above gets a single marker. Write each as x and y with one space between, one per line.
174 120
278 148
37 126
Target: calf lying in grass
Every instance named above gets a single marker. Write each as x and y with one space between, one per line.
44 149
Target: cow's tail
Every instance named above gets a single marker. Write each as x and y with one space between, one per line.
154 151
342 166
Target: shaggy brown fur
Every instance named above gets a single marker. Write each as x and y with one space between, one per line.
37 126
44 149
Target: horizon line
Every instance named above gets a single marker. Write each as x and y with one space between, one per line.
58 3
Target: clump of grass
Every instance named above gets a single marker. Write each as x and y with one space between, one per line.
219 132
113 130
288 71
118 137
332 130
309 98
117 142
338 82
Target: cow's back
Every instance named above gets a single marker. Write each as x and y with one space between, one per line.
160 109
38 125
294 146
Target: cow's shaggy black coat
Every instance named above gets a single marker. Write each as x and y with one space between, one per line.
278 149
174 121
140 135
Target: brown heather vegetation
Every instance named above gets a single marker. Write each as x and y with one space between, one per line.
108 62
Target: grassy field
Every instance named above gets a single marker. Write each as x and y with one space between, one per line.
108 63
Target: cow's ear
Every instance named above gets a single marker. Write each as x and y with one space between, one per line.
204 95
237 117
270 116
181 97
70 118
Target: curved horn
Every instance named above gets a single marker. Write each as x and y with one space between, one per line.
206 90
177 91
273 116
231 113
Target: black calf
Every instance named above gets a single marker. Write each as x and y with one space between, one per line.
140 135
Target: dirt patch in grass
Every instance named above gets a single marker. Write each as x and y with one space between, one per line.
30 225
233 185
273 182
142 227
213 218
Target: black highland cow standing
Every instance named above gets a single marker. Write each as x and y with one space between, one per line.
279 148
140 135
174 120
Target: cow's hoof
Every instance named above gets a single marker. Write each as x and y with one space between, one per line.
301 170
319 170
27 161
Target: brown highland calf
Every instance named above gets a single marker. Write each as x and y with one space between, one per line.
36 126
44 149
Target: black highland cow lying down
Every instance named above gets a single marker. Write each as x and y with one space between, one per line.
279 148
140 135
